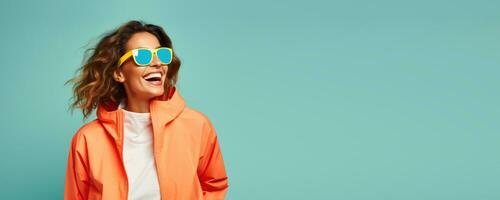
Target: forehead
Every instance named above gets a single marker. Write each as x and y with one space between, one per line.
142 40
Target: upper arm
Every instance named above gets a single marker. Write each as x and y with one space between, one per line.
211 167
77 177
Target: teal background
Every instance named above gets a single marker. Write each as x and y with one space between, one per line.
312 99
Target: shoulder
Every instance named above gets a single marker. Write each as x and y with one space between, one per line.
85 132
194 114
200 118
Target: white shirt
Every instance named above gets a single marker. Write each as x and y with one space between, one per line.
138 156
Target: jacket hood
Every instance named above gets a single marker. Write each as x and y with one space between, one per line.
163 109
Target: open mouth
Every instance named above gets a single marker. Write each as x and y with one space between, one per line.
153 78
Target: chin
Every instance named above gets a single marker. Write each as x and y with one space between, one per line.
152 91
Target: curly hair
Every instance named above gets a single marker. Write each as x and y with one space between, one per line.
94 84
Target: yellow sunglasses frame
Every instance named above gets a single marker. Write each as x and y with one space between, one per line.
153 52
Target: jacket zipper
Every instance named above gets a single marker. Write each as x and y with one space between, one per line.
120 125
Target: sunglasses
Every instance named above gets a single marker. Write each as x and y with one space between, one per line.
144 56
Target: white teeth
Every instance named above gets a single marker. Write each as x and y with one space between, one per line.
153 75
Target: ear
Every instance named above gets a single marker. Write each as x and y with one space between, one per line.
118 76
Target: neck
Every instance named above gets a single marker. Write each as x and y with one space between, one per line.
137 105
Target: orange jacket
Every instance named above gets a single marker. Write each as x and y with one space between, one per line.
186 150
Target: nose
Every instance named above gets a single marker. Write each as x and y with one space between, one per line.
155 62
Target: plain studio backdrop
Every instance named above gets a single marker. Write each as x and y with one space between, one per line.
348 100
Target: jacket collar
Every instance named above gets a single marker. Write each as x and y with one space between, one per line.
163 109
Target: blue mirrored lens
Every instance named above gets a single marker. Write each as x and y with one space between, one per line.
164 55
143 57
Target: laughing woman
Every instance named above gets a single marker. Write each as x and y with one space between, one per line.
145 142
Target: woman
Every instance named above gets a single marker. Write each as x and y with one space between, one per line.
145 143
